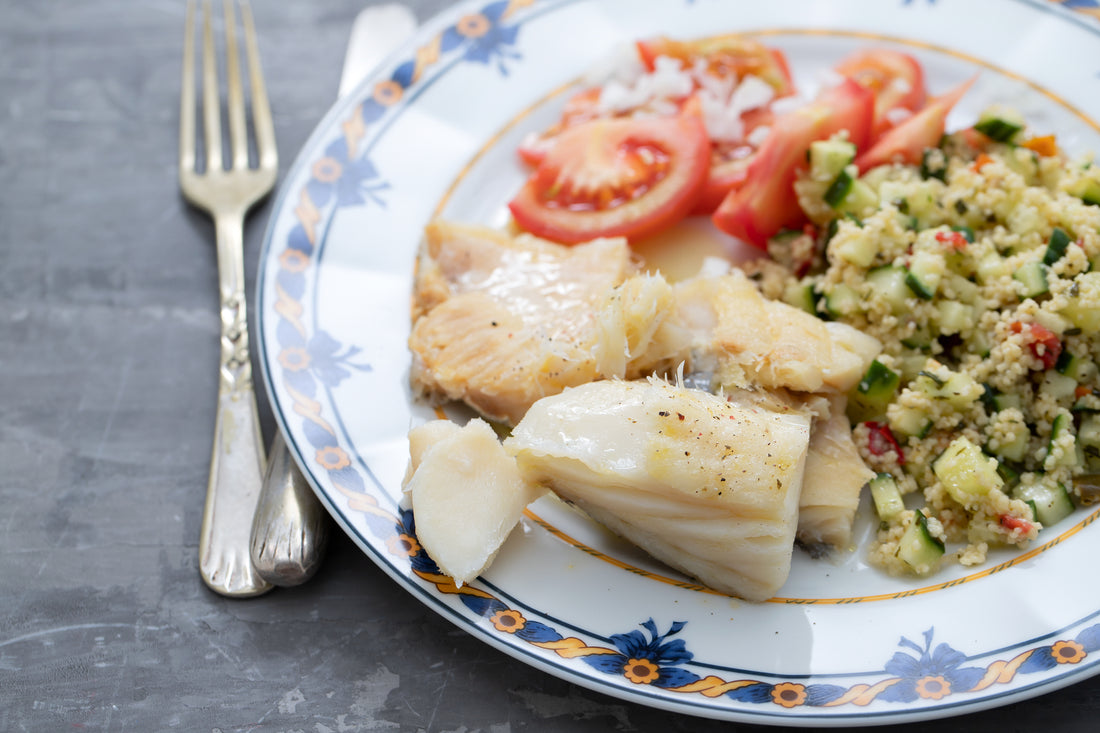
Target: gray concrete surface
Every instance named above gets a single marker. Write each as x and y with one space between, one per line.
108 341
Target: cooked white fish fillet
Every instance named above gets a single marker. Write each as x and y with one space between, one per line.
466 493
706 486
835 477
502 321
750 340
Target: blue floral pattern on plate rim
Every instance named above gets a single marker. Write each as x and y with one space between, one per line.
308 360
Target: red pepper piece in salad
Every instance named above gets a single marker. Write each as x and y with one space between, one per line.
954 240
1043 343
881 440
1013 523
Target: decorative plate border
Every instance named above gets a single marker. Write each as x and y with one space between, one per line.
308 361
654 658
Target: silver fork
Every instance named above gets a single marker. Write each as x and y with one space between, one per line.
237 460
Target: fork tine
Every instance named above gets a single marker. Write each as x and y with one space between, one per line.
187 95
234 96
210 103
261 108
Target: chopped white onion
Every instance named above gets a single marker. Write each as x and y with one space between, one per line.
829 78
897 115
722 99
721 124
751 93
667 81
621 64
901 85
783 105
759 135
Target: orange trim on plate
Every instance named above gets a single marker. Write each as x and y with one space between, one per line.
688 585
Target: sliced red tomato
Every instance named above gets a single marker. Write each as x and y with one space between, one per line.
725 56
765 202
616 177
581 107
908 141
896 79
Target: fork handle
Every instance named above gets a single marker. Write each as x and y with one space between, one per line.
237 459
291 527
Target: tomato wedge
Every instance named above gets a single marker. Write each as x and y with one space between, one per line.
765 202
907 142
729 163
725 56
728 170
896 79
616 177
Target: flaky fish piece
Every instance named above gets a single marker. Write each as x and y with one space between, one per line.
708 487
835 477
638 335
466 493
502 321
750 340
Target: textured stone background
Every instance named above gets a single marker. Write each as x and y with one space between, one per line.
108 341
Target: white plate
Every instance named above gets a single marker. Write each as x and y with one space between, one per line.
435 131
